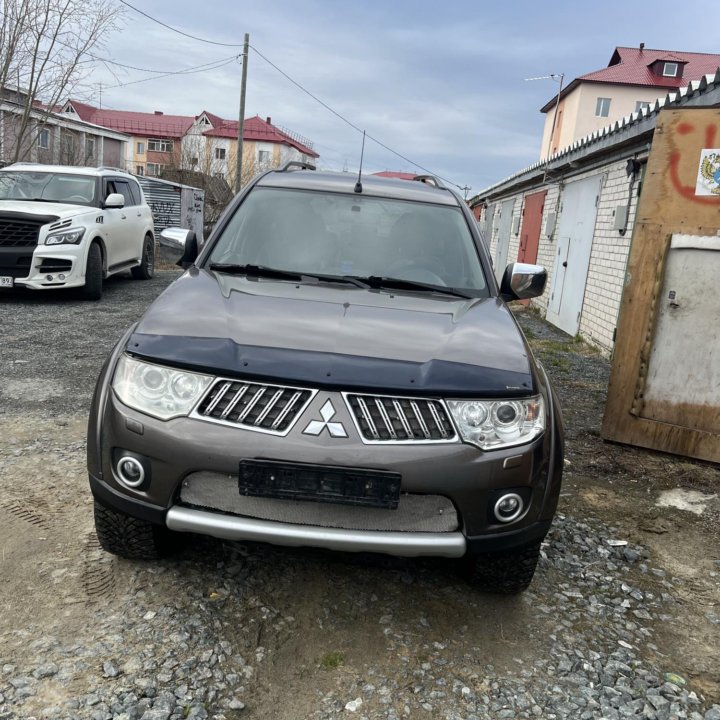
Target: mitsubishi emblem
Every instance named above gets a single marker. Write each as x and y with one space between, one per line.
315 427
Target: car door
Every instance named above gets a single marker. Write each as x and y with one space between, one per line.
118 228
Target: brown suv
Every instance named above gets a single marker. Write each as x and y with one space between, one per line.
336 368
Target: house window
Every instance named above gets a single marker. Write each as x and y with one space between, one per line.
154 169
139 170
263 156
141 148
641 105
204 121
219 153
160 145
90 147
602 108
43 139
670 70
69 146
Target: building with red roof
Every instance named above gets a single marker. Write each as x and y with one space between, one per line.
206 142
632 81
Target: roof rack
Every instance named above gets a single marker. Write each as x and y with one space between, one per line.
430 180
296 164
110 167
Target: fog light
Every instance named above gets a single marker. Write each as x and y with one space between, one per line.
130 471
61 277
49 278
508 507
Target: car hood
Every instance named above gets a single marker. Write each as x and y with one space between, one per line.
42 209
337 335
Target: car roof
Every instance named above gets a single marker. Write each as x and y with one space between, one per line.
68 169
372 185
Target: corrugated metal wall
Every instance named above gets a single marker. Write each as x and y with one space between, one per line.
173 205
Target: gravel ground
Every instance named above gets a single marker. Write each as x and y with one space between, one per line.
229 630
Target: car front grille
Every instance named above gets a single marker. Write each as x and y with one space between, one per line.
18 233
381 418
255 406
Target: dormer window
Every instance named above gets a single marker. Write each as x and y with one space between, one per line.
670 69
204 121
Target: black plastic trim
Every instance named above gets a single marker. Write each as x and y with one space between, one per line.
483 544
122 503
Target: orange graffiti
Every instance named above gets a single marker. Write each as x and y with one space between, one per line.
687 191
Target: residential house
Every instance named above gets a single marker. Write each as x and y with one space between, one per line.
211 146
156 137
44 136
634 79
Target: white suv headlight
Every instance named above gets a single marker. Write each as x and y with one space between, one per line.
159 391
66 237
493 424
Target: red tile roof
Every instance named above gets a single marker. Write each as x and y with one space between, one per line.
135 123
255 128
631 66
393 174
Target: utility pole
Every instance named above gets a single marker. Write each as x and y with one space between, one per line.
241 117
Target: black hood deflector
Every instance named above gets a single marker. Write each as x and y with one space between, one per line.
335 371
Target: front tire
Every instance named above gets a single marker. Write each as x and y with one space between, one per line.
130 537
146 269
93 287
506 573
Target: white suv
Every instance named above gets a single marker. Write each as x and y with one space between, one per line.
64 227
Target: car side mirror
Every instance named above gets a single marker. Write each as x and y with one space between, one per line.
178 246
522 281
114 200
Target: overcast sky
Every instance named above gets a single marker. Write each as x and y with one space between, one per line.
441 83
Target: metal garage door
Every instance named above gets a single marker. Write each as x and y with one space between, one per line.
574 244
503 238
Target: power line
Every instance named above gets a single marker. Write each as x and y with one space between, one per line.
189 71
175 30
348 122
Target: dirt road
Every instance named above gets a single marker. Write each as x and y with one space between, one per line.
229 630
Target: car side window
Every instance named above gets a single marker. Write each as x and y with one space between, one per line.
135 190
109 189
123 187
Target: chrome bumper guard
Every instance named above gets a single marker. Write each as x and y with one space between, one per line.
231 527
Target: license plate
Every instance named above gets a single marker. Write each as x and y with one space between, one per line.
6 281
319 483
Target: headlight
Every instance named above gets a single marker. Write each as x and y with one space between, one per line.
159 391
492 424
66 237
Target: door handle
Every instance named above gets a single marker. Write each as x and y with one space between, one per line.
123 216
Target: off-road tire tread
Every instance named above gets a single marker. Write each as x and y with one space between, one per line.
127 536
141 271
93 288
506 573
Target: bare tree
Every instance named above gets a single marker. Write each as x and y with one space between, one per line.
46 53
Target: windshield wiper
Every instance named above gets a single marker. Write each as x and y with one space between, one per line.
267 272
255 271
375 281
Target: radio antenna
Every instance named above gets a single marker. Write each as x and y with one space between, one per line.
358 184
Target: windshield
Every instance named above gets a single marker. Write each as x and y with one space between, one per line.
47 186
345 235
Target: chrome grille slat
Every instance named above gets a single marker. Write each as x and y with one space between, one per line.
248 408
438 421
284 412
384 419
268 407
368 419
419 418
403 420
231 405
254 406
220 395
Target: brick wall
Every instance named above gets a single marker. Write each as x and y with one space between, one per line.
609 255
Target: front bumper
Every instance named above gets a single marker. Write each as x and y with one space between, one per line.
45 266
